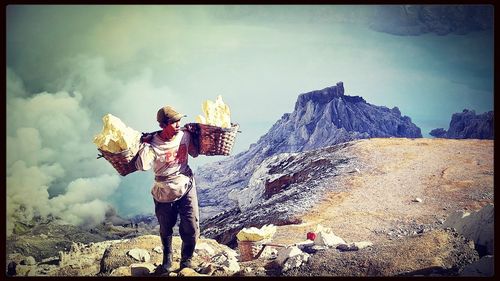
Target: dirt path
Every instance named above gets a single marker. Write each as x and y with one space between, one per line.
447 175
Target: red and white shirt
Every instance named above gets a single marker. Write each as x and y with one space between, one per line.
169 160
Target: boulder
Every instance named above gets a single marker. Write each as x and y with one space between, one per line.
286 253
325 238
139 255
363 244
294 261
116 255
141 269
477 226
230 263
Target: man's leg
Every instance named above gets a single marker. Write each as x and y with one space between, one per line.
166 213
189 227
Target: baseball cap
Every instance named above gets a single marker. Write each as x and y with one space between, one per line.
168 114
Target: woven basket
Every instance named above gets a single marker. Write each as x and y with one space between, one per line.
215 140
124 161
250 250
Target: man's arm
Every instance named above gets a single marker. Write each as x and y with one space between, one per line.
145 157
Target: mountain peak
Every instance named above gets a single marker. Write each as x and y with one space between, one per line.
321 96
321 118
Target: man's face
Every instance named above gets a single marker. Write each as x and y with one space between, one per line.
173 128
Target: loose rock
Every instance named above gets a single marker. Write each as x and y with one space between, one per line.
139 254
141 269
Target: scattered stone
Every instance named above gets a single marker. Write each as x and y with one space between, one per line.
305 244
269 252
325 238
418 200
139 254
141 269
363 244
158 249
219 259
346 247
295 261
317 248
286 253
230 265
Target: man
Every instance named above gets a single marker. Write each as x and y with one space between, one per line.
174 190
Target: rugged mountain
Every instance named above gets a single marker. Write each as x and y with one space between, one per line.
320 118
282 187
389 191
438 19
468 125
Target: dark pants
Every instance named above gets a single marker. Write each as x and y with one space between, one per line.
187 209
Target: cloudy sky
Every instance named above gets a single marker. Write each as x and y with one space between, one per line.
67 66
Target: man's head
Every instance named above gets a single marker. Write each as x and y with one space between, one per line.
168 115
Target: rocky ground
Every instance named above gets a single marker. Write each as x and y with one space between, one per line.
413 201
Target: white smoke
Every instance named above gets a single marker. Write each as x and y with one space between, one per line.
51 160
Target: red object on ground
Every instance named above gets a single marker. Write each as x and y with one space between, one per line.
311 236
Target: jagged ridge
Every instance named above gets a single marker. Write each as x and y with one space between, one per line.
468 125
320 118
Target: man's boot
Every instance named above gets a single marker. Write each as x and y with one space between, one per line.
166 265
187 250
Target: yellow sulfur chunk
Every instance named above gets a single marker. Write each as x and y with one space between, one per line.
115 135
216 113
256 234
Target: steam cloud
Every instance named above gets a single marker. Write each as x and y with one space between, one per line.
51 160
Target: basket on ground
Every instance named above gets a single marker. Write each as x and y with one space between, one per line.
124 161
214 140
250 250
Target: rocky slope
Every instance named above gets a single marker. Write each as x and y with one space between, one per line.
320 118
468 125
437 19
45 237
380 190
394 207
